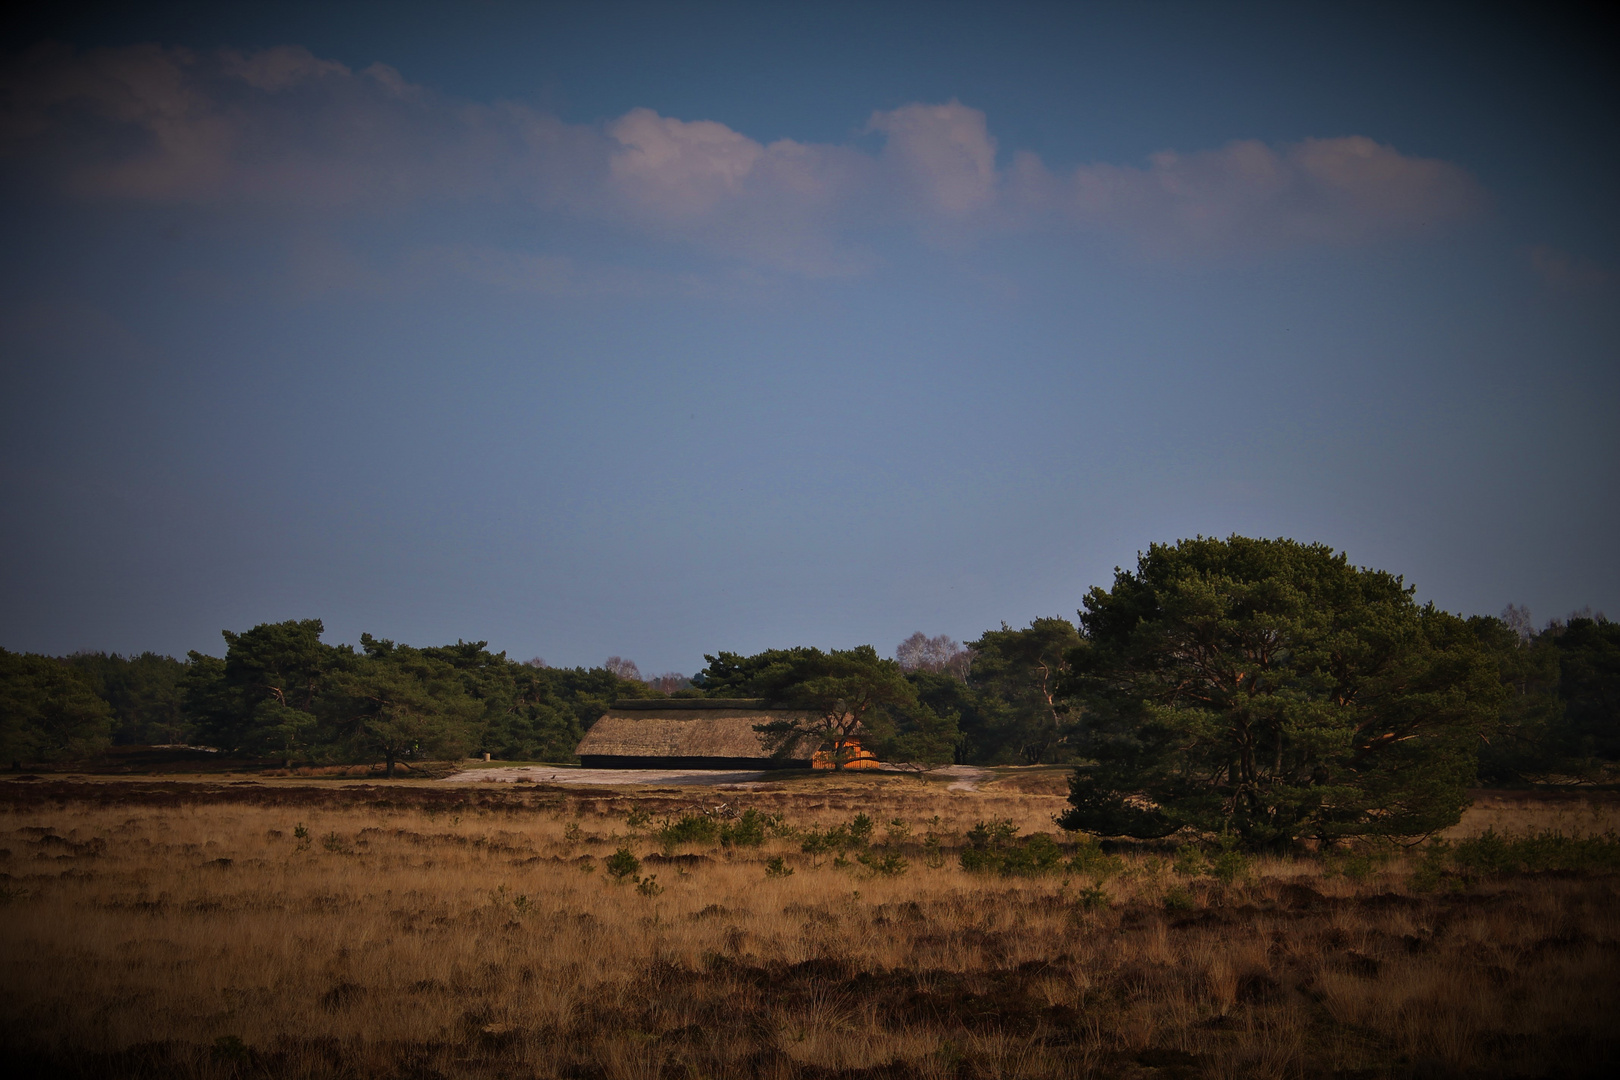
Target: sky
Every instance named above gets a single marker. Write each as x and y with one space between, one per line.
653 330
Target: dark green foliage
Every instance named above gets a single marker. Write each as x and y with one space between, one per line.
1589 687
748 830
49 711
281 692
1269 690
1490 853
777 867
144 692
690 829
1017 675
845 695
883 864
1562 713
622 864
840 838
1090 859
994 847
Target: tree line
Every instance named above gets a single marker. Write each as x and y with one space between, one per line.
1265 684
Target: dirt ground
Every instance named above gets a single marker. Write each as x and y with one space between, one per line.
957 777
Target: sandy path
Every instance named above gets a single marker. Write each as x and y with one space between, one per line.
961 777
543 774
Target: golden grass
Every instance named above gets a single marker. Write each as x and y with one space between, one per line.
421 931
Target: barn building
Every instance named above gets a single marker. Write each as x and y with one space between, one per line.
686 733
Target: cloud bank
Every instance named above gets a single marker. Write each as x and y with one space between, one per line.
284 129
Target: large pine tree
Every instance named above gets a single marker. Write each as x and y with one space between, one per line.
1272 690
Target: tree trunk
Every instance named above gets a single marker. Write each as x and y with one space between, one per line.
389 757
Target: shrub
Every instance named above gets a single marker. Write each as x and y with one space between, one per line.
777 867
747 831
637 818
1228 866
691 829
1091 898
1189 861
622 864
1179 898
838 838
1489 853
1090 859
648 886
890 864
994 848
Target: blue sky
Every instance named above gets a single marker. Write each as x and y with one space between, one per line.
654 330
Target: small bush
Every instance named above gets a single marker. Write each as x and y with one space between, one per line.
648 886
1489 853
1179 898
333 842
1190 861
777 867
994 848
1358 864
747 831
691 829
1091 860
839 838
622 864
1228 866
1091 898
890 864
637 819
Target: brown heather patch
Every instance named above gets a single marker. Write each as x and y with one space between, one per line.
422 931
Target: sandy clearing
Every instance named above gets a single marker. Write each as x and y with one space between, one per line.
960 777
543 774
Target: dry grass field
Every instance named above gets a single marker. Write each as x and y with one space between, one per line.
221 928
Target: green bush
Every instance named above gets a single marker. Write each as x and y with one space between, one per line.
890 864
747 831
777 867
1091 898
838 838
994 848
1228 866
1190 861
622 864
1489 853
1091 860
1179 898
691 829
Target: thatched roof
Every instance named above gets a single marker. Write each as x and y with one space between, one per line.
685 728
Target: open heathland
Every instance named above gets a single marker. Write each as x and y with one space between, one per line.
816 926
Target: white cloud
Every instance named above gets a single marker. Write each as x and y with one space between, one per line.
285 129
681 168
944 153
1248 195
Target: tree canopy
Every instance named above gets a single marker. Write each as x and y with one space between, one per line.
848 695
1270 689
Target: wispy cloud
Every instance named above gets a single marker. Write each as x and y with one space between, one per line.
1563 272
285 129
